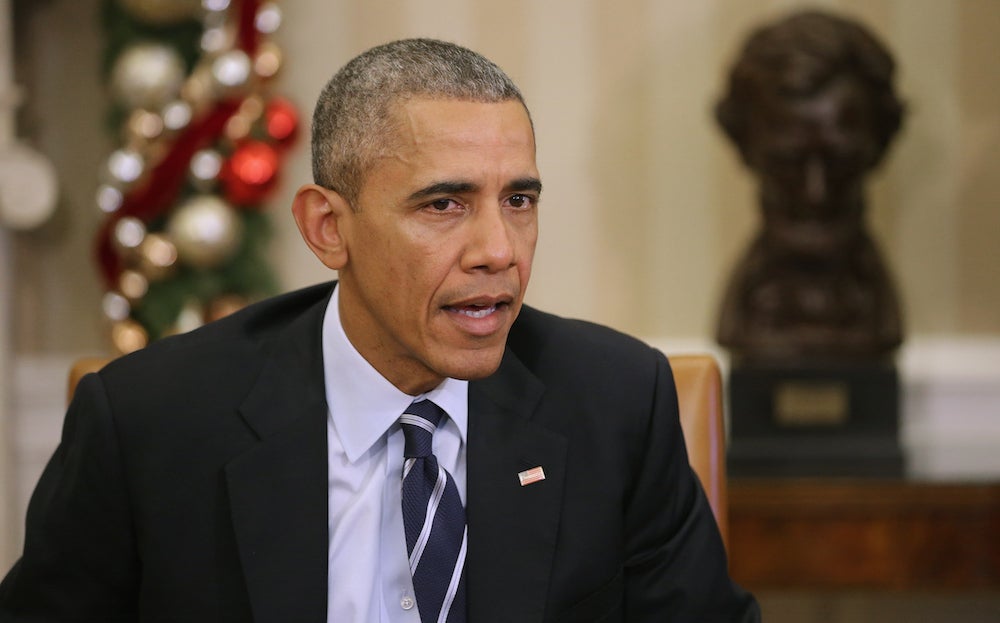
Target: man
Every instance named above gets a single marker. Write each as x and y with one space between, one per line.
812 109
251 470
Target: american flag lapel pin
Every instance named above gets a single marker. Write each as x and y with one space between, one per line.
529 476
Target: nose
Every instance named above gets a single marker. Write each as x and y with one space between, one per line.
815 181
490 244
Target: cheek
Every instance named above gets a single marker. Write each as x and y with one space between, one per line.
527 255
425 276
393 253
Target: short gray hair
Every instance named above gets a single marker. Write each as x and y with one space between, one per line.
352 122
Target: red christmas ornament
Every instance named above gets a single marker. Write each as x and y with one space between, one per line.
249 173
281 121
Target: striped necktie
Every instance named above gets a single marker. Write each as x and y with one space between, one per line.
434 520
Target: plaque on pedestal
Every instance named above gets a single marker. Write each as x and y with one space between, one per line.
820 419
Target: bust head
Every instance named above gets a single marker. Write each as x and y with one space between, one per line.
812 109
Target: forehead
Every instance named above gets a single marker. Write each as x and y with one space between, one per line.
447 140
843 104
419 121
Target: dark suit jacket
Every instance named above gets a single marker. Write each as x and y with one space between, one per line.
191 485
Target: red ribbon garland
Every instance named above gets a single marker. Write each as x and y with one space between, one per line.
159 192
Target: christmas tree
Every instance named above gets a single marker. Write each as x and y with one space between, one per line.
202 138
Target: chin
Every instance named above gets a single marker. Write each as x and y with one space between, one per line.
475 365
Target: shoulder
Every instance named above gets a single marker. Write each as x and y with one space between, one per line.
223 353
538 334
566 349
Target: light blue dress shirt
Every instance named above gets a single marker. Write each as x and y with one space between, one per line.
369 573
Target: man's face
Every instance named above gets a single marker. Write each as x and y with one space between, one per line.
811 154
440 245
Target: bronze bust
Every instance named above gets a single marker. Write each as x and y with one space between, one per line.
812 109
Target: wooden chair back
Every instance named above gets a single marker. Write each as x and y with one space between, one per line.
699 394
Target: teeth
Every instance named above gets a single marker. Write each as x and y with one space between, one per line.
479 312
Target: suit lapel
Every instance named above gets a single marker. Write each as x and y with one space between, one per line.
512 528
278 489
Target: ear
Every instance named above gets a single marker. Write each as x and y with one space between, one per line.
318 212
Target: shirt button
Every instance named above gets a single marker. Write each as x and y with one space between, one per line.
407 602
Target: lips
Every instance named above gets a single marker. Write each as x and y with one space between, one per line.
475 311
480 315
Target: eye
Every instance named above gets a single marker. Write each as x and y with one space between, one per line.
440 205
521 201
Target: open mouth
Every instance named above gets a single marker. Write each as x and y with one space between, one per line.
475 310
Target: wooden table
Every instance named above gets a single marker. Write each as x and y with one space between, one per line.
864 534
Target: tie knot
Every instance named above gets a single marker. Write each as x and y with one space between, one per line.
419 422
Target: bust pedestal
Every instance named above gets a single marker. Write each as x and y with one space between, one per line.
823 418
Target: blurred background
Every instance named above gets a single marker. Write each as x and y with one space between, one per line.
646 206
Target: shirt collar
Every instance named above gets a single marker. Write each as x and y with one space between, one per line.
364 404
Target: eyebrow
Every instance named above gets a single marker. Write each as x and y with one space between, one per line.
523 184
442 188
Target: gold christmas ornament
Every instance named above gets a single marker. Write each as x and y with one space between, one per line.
231 71
157 257
147 75
190 318
224 305
268 18
109 198
161 12
238 127
215 6
133 285
205 166
267 61
128 234
115 306
143 126
252 107
128 336
240 124
176 115
206 231
216 39
125 166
